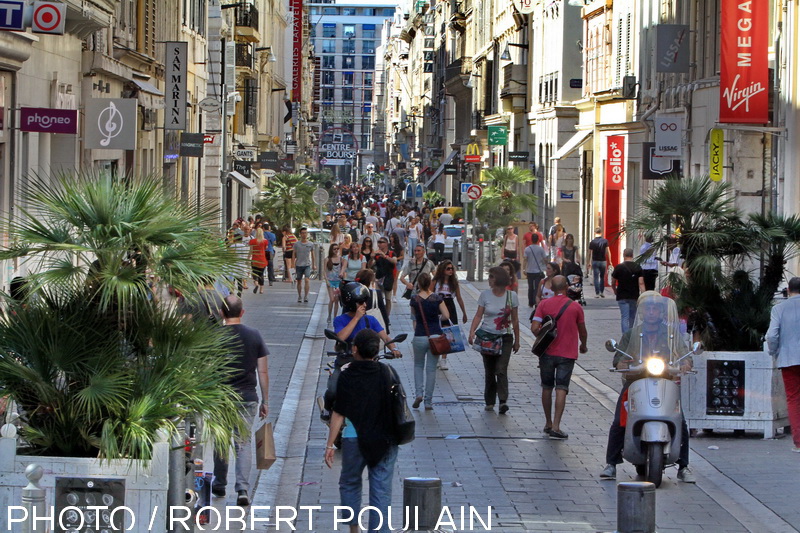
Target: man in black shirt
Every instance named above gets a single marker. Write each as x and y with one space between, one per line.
600 257
628 284
248 358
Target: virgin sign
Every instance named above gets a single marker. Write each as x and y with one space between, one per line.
744 72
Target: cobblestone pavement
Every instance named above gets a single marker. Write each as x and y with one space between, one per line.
485 459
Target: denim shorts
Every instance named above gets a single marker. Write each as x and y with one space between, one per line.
301 272
555 371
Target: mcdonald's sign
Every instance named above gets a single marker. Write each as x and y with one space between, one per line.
473 154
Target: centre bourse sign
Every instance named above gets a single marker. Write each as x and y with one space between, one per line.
337 147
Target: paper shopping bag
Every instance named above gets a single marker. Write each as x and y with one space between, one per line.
453 334
265 447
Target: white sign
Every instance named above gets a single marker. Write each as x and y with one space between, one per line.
245 155
474 192
465 187
525 7
175 75
209 104
111 123
669 132
320 197
49 17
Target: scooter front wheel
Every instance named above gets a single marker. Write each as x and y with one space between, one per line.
655 463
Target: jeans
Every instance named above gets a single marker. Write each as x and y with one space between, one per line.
627 311
533 285
412 243
598 272
616 437
380 483
271 267
243 450
791 382
424 369
496 373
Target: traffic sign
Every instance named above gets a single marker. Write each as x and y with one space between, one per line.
473 154
320 197
465 187
474 192
49 18
498 135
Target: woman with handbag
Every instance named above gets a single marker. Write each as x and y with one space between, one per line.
445 284
496 318
428 310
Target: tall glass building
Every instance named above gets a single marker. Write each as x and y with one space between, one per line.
346 35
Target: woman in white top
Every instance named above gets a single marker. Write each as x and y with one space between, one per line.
545 289
445 284
414 233
438 239
510 251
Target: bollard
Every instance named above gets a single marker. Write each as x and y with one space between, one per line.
455 254
470 260
424 494
33 500
480 259
636 507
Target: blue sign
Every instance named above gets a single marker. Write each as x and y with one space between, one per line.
12 15
419 190
465 187
409 191
567 195
407 181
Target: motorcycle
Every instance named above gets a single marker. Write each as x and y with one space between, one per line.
654 420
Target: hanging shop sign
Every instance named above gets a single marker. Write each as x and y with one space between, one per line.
176 62
669 132
43 120
519 156
111 123
297 48
498 135
716 154
655 167
744 71
672 48
615 162
192 144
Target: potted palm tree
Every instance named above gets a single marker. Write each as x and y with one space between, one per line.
733 266
99 368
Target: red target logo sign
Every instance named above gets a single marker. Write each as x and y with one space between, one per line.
48 18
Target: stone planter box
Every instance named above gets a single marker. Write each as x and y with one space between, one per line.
145 485
735 391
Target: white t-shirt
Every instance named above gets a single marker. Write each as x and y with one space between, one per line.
445 218
496 311
414 231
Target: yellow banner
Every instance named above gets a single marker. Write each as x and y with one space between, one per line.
716 154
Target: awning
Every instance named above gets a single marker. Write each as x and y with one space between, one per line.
575 142
146 86
441 168
244 182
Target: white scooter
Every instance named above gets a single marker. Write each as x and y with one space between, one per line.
653 428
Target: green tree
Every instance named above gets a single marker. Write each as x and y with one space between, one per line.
286 200
96 365
432 197
500 203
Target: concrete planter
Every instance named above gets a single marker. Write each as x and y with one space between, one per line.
145 485
735 391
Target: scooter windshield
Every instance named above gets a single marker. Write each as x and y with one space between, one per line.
657 329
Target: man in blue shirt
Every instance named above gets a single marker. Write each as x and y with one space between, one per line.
271 253
354 297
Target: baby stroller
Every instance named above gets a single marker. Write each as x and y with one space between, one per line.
575 282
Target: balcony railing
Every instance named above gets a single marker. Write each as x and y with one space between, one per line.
244 55
247 16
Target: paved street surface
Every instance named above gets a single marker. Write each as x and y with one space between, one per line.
531 482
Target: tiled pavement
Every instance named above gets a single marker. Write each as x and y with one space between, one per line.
531 482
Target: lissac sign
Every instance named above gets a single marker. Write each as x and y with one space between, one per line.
40 17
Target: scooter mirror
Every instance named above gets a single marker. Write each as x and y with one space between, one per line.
400 338
330 334
697 348
611 345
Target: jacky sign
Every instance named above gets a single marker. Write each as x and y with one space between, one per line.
744 73
45 120
716 154
615 163
176 58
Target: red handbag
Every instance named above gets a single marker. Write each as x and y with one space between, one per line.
439 344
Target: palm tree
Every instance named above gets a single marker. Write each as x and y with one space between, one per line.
432 197
500 203
96 365
287 198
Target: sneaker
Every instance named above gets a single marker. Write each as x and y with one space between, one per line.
443 365
796 449
503 408
602 295
597 296
557 434
394 299
429 407
609 472
417 402
305 300
218 492
686 475
242 500
299 300
489 408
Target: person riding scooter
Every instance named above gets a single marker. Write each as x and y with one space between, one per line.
656 333
355 299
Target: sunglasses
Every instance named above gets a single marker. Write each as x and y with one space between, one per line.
449 268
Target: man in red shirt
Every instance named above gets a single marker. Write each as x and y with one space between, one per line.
533 229
556 364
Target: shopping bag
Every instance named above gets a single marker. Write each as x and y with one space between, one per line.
265 447
453 334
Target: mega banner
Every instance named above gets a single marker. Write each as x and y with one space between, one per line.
615 163
744 72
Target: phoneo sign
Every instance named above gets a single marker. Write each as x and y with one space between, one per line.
615 163
44 120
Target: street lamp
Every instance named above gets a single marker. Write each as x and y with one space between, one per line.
471 81
506 55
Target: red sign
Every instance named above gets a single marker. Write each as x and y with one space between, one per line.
43 120
615 163
474 192
208 139
297 49
744 73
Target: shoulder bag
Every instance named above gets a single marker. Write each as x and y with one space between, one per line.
548 332
439 344
408 292
490 344
404 423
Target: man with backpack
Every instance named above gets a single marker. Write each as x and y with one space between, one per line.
558 360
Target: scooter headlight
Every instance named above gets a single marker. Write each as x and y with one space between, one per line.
655 366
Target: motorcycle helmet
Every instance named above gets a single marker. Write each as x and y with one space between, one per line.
353 294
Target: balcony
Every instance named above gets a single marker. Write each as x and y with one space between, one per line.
246 23
515 81
244 56
458 68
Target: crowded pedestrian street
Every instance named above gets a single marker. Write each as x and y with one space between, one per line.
531 482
